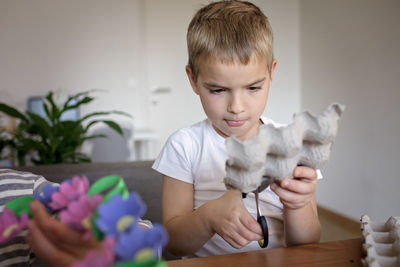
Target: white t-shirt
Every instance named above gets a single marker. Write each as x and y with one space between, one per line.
197 155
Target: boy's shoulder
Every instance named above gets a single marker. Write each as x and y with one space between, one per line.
194 131
191 139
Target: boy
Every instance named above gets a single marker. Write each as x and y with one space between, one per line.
230 67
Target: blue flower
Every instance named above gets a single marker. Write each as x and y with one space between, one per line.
141 244
45 196
118 215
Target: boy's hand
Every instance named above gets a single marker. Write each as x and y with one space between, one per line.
231 220
53 241
298 192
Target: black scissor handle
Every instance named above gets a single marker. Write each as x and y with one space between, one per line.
264 226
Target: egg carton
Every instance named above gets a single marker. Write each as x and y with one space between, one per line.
381 242
275 151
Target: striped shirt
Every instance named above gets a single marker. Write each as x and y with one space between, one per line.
14 184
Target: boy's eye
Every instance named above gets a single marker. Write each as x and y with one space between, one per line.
254 88
216 91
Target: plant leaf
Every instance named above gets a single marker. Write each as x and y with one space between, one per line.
95 136
42 127
115 126
54 111
85 100
79 95
12 112
99 113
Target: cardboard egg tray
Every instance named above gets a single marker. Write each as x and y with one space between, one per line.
381 242
276 150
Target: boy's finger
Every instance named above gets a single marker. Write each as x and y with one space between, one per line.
305 173
238 240
232 242
287 195
45 249
298 186
250 234
251 224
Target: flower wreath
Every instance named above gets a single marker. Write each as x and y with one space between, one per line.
105 210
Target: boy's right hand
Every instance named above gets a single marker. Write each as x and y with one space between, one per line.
230 219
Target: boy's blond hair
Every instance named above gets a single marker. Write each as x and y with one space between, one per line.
229 31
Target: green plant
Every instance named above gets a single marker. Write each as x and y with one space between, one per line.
52 140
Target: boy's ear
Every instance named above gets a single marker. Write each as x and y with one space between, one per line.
274 62
191 78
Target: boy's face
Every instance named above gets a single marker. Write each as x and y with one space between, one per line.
233 95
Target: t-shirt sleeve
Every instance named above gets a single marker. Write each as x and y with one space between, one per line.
319 174
40 182
174 159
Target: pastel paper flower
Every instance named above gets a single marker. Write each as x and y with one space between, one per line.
78 213
45 196
99 258
141 244
69 191
118 215
10 225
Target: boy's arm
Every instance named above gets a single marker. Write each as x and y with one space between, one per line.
189 230
300 214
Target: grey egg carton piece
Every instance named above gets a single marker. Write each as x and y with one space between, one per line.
275 151
381 242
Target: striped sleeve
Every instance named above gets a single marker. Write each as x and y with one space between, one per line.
40 182
14 184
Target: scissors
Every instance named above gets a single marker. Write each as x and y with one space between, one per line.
260 219
263 222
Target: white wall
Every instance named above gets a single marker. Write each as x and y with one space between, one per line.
74 46
350 54
285 94
165 37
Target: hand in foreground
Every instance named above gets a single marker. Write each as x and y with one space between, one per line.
231 220
53 241
298 192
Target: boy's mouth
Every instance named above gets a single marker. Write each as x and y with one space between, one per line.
235 123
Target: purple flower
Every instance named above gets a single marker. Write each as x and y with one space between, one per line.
78 213
99 258
118 215
69 191
45 196
141 244
10 225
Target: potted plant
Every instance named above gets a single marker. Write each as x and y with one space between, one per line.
52 140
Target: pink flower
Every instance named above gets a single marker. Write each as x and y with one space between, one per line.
10 225
99 258
69 191
78 213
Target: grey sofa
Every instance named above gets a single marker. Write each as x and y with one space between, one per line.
138 176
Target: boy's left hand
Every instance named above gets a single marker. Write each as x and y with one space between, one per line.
53 241
297 192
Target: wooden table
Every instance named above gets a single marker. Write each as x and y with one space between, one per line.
335 253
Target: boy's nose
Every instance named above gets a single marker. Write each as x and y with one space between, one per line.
236 104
